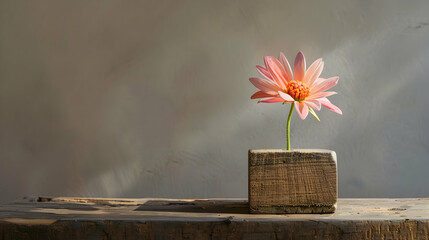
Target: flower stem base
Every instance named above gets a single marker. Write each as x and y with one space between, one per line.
288 126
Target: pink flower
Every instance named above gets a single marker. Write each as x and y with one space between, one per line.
304 88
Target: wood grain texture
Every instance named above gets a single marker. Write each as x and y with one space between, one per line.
88 218
294 181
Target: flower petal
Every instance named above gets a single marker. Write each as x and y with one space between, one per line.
327 104
264 72
315 74
322 84
313 113
261 94
299 67
265 85
286 96
314 104
277 70
313 67
302 109
285 63
272 100
320 95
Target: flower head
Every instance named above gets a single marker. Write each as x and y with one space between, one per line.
304 87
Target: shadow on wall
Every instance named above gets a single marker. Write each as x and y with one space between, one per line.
151 99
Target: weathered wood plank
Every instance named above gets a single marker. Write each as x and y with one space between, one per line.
85 218
294 181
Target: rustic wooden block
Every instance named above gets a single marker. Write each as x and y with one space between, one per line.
292 181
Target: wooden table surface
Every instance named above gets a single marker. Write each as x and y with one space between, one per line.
102 218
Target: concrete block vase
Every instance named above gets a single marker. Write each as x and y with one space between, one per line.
292 181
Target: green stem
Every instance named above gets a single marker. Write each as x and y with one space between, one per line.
288 126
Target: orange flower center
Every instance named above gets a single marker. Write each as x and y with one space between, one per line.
298 90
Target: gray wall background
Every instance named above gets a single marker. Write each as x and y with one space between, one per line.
152 98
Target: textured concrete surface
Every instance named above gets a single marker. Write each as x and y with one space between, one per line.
151 98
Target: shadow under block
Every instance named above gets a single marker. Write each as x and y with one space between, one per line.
292 181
